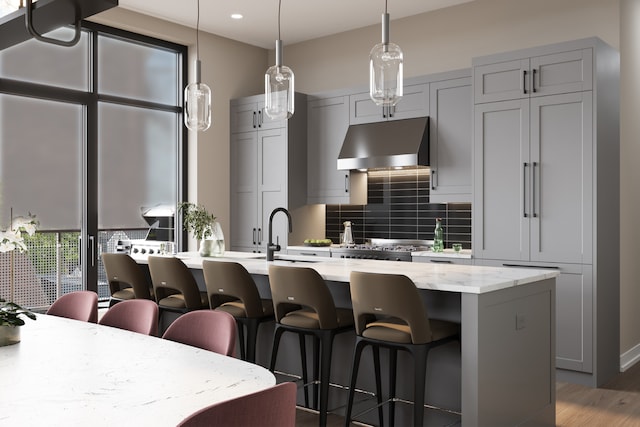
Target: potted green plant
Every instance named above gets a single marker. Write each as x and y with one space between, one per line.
203 227
11 320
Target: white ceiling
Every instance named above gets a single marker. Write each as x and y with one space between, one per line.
301 19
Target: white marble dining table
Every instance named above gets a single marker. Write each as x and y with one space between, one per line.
70 373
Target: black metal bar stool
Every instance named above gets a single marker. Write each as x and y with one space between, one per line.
390 313
232 289
303 305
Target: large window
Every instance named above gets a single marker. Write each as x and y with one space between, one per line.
90 136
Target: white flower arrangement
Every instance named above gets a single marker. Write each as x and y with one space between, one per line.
13 238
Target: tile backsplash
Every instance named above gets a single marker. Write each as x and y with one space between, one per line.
398 208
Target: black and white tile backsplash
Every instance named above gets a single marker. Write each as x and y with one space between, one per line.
398 208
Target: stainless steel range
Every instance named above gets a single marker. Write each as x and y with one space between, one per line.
383 249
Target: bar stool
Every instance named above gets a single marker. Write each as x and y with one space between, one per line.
231 288
390 313
174 286
126 278
304 305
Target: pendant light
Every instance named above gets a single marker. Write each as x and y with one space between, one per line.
385 68
197 95
279 85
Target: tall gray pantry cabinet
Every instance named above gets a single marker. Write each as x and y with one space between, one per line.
546 187
268 170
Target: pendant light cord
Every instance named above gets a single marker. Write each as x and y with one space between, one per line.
385 6
198 32
279 7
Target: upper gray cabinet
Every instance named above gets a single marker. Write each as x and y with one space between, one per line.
541 75
450 140
414 103
326 128
247 114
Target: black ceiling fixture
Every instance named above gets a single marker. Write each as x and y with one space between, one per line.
47 15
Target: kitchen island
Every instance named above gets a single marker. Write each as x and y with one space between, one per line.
507 316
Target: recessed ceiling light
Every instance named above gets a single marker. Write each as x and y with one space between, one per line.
236 16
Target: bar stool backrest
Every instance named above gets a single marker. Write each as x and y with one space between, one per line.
231 279
291 286
393 295
120 267
170 275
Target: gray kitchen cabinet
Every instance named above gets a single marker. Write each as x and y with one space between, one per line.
574 313
450 127
414 103
438 259
533 175
247 114
267 171
328 120
540 75
546 188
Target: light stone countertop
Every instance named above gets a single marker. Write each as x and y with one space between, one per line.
442 277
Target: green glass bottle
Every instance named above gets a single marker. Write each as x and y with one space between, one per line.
438 236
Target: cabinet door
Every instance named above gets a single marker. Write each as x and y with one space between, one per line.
414 103
328 120
363 110
244 189
562 72
244 116
501 163
574 318
501 81
272 183
450 142
561 187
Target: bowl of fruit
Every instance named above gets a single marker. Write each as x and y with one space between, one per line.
317 242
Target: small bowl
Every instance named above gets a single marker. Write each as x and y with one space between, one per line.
457 247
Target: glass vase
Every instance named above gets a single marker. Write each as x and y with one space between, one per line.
213 246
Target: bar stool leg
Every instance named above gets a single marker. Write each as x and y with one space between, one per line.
316 371
303 361
355 365
325 374
393 364
252 337
243 355
376 366
420 373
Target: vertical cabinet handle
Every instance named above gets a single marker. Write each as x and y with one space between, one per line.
433 179
524 82
346 183
254 120
533 81
524 189
392 110
533 186
260 118
254 236
259 236
384 112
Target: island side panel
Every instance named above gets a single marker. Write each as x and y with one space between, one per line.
508 356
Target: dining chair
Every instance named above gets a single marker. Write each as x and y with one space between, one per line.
207 329
304 306
126 279
389 313
232 289
78 305
137 315
274 406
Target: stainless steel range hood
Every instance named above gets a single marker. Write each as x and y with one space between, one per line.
390 144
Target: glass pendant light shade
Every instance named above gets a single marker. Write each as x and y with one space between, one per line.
197 104
279 89
385 69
